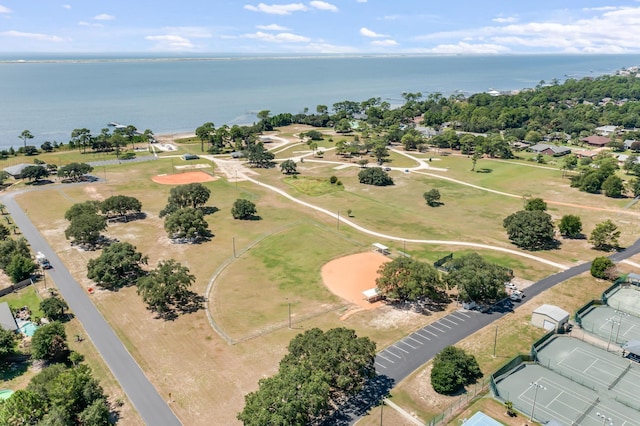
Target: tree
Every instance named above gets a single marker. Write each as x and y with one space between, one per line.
453 369
34 173
374 176
600 267
570 226
288 167
26 134
634 187
81 138
4 232
613 186
53 308
530 230
78 209
605 236
187 223
20 268
343 126
205 133
121 205
74 171
191 195
49 343
630 163
119 265
96 414
535 204
258 156
165 288
22 408
476 279
432 197
243 209
7 343
474 160
407 279
85 228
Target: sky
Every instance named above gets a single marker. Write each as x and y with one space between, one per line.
320 27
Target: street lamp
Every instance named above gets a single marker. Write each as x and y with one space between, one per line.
535 396
613 323
605 420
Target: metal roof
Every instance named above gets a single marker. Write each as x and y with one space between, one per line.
553 312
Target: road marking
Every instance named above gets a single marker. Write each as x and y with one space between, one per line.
415 340
385 358
418 333
402 341
441 331
425 329
388 351
458 318
395 345
383 366
463 314
447 319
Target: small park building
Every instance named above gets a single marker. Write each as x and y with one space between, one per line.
549 317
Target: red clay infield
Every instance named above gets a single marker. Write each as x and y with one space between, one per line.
182 178
349 276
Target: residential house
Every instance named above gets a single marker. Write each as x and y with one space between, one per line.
7 320
16 171
555 150
628 142
606 130
596 140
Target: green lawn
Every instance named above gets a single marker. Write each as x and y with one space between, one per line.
24 297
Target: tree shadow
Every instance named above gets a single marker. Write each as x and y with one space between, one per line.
484 170
207 210
39 182
373 392
435 204
190 302
15 366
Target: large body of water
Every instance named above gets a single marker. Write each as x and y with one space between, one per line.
51 96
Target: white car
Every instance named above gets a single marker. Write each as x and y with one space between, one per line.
510 286
516 296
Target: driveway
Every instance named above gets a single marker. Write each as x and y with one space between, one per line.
145 398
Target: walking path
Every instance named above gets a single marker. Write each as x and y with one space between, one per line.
142 394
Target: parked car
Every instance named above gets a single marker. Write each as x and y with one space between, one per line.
190 157
516 296
510 286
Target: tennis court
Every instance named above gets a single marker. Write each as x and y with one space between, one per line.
612 325
626 299
573 383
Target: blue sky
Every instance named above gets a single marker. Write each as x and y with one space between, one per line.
321 27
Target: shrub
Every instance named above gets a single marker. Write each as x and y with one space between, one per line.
333 180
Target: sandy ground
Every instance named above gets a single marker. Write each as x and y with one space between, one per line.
349 276
182 178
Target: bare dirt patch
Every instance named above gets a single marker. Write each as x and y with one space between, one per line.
182 178
349 276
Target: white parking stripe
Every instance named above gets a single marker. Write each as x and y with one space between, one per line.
403 341
418 333
463 313
383 366
389 352
447 319
424 329
458 318
415 340
385 358
441 331
399 348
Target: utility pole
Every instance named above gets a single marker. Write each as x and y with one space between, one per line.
495 342
234 246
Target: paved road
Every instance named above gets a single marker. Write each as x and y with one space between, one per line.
399 360
144 397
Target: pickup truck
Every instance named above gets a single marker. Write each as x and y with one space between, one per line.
43 261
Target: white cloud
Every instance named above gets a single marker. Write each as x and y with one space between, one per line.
366 32
467 48
598 9
272 27
104 17
90 24
327 48
277 9
32 36
278 38
66 6
4 9
609 31
361 1
508 20
171 42
323 5
384 43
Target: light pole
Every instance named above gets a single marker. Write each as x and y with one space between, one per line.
233 240
613 323
495 342
619 324
605 420
535 396
338 226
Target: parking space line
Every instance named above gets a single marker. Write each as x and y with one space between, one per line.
383 366
415 340
459 318
402 341
385 358
441 331
418 333
462 313
399 348
447 319
425 329
388 351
